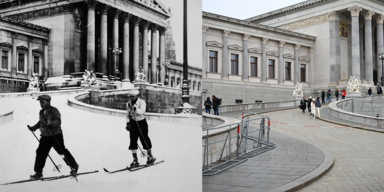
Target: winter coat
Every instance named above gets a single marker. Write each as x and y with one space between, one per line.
337 93
215 102
138 113
343 93
328 94
370 91
317 103
323 94
313 109
53 115
309 102
207 104
303 103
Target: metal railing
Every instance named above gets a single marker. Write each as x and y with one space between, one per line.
255 129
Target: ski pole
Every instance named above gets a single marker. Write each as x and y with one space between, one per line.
134 118
57 168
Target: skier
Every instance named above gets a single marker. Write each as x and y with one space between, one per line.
138 127
51 136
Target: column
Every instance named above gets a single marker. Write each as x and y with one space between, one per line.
312 67
349 49
334 53
46 66
154 54
281 63
373 48
297 67
127 16
116 39
104 40
162 55
14 55
205 57
368 46
362 61
91 35
30 58
355 10
145 49
177 76
245 58
225 65
136 48
380 42
264 60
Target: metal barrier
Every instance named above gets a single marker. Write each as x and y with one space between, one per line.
248 129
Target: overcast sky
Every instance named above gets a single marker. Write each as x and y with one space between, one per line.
243 9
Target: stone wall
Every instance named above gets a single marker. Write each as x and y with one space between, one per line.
9 86
370 106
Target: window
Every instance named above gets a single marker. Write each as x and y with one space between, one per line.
302 72
234 64
254 66
271 69
4 60
36 64
287 70
20 64
213 61
237 101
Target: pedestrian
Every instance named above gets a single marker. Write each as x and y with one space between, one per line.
343 93
379 90
369 91
328 96
322 97
208 105
215 105
309 101
138 127
313 109
318 105
337 94
51 136
303 104
378 115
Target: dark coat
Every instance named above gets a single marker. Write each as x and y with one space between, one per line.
207 104
303 103
309 101
54 116
323 94
370 91
317 103
337 93
215 102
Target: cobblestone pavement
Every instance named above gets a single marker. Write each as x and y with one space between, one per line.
359 158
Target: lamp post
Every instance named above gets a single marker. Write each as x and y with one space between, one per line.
116 51
381 57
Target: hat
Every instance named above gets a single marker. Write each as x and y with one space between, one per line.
310 97
133 92
44 97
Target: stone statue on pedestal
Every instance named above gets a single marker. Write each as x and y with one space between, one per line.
33 83
298 92
140 76
353 85
89 78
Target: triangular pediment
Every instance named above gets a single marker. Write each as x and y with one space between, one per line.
214 44
155 5
235 47
22 47
38 51
5 44
289 56
304 58
272 53
254 50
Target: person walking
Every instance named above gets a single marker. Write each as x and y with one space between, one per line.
303 104
337 94
318 105
215 105
309 101
138 127
369 91
51 136
323 97
343 93
313 109
328 96
208 105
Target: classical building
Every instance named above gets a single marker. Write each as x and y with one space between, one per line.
318 43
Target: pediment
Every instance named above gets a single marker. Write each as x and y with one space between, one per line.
37 51
289 56
272 53
155 5
22 47
235 47
304 58
254 50
5 44
214 44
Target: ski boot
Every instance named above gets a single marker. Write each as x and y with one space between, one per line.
37 176
150 160
74 171
134 164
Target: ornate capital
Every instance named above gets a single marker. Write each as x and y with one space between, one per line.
226 32
281 44
355 10
14 35
117 13
30 39
126 17
379 19
333 16
91 4
137 21
311 49
146 24
205 28
264 40
246 36
154 27
104 9
368 15
297 47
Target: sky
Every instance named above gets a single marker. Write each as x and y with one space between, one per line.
244 9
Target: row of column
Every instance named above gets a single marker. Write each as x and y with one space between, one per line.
176 75
127 18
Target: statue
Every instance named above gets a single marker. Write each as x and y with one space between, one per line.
353 85
89 78
33 83
140 76
298 92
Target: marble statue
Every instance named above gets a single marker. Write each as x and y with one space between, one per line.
89 78
353 85
33 83
140 76
298 92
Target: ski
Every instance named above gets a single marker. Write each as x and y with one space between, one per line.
120 170
49 178
145 166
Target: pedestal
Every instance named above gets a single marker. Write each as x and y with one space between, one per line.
127 85
353 95
186 109
297 100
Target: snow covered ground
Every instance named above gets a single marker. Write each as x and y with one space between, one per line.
98 141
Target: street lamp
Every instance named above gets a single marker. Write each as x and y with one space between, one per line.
381 57
116 51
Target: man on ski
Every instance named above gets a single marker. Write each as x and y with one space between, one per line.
138 127
51 136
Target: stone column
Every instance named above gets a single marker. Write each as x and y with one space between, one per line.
145 49
225 65
136 48
361 45
281 63
30 58
334 53
312 67
104 40
162 55
264 60
91 35
380 42
245 58
349 49
14 55
297 66
368 46
355 10
154 54
46 66
116 40
127 16
205 57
